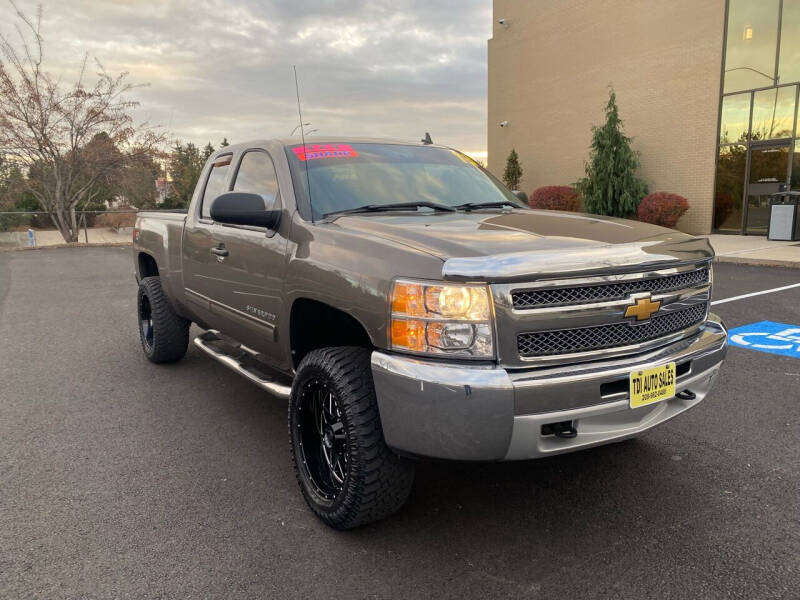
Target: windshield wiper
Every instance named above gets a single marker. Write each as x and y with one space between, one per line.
473 205
398 206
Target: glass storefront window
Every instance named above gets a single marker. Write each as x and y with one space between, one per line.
773 113
768 168
751 44
789 64
735 118
758 151
730 188
769 164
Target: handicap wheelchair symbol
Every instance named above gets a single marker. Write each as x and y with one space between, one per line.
768 336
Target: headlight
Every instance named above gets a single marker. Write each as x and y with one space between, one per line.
453 319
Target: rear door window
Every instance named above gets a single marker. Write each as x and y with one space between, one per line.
215 184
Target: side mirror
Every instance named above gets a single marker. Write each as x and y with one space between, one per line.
521 195
245 208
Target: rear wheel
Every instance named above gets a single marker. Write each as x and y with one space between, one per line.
164 334
347 474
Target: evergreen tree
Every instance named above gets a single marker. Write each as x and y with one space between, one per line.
512 176
611 186
185 164
208 151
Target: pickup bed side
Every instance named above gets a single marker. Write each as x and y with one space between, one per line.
157 239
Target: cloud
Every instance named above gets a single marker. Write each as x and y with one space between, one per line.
223 69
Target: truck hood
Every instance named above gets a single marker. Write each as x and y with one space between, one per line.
523 243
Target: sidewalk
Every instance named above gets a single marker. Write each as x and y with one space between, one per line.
755 250
48 238
97 235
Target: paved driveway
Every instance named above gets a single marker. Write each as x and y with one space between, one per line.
122 479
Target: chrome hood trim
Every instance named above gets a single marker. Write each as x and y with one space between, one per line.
668 250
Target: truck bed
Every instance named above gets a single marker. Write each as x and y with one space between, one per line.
178 214
158 235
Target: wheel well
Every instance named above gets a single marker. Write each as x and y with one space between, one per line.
147 266
317 325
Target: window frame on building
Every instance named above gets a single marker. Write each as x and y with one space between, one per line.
749 143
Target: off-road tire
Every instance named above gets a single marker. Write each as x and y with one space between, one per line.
378 481
169 333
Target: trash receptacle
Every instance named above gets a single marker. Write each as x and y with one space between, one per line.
784 220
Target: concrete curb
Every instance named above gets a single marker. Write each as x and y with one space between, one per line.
75 245
763 262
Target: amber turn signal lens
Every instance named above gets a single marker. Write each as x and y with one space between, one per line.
408 299
408 334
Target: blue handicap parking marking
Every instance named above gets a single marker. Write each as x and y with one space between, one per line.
768 336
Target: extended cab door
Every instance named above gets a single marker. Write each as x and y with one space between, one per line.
239 270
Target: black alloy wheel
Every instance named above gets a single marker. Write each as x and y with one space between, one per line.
163 333
347 474
322 439
146 323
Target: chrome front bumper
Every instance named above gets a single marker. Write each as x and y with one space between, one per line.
476 412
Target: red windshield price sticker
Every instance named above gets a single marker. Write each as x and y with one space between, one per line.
318 151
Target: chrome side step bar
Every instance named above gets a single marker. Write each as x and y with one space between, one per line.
241 359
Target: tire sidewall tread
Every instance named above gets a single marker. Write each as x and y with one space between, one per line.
378 482
170 331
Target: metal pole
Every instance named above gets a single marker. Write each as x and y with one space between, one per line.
748 141
793 143
85 228
777 76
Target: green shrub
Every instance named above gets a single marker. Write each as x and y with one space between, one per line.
512 176
10 222
611 186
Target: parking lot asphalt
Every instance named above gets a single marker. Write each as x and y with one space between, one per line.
123 479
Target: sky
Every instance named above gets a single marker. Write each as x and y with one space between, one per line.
383 68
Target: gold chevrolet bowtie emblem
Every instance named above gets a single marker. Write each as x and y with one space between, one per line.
643 309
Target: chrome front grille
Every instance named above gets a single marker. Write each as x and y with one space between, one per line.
586 339
523 299
590 317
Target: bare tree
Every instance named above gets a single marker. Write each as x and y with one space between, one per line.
70 137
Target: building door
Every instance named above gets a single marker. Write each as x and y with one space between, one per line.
769 170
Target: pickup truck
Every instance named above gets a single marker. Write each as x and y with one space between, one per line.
407 305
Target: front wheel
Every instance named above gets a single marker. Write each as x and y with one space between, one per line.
347 474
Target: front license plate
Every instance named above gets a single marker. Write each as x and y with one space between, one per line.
652 385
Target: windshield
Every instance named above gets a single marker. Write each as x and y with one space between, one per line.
347 176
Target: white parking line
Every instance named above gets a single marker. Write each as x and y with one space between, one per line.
743 296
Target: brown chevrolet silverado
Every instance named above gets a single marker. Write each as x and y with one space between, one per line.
408 305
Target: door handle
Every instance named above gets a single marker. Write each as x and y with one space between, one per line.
220 251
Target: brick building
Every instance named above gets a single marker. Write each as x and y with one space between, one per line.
708 90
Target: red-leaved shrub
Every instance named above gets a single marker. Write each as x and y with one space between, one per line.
662 208
555 197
